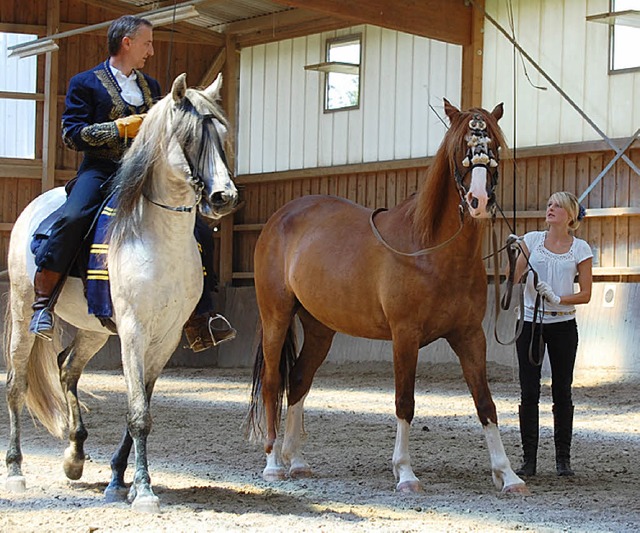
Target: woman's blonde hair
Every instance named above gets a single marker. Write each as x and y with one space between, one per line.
571 205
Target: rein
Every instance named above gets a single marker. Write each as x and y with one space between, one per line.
505 301
198 186
421 252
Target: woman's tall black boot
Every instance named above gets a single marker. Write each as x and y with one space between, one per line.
562 431
529 428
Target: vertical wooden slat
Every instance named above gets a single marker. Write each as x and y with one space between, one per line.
472 60
50 127
230 98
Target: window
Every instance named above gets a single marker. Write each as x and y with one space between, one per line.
624 35
342 83
17 115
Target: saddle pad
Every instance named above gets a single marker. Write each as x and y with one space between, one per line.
98 292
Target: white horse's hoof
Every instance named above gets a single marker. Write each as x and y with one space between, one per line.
274 474
410 486
146 504
73 464
115 495
16 484
517 488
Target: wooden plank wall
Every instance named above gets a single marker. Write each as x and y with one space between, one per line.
615 238
20 180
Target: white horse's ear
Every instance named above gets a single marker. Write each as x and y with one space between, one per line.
213 91
450 110
179 87
498 111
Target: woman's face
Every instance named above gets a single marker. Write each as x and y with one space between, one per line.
556 214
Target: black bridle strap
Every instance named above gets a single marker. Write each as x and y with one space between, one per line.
423 251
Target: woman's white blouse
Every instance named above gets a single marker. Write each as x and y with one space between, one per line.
558 270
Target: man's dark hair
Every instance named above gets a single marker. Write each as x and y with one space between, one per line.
125 26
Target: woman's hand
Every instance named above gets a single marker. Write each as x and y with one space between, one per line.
545 290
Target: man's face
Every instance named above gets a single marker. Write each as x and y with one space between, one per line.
139 46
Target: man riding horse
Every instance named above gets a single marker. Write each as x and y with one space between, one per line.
104 109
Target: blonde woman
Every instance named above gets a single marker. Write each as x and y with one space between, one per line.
557 257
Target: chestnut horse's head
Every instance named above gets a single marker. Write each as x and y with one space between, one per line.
473 141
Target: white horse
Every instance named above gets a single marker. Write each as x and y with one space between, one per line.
176 163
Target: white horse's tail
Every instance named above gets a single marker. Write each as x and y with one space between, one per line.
44 397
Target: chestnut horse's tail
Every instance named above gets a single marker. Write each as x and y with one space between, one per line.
255 422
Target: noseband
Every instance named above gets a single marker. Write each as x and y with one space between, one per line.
478 155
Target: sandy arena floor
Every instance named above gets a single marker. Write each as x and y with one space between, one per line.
209 479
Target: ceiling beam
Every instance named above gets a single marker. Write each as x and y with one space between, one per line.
203 35
300 29
445 20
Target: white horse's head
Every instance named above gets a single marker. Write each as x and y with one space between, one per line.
199 131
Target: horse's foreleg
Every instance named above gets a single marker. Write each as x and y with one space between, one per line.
21 343
72 362
140 379
116 491
470 348
405 359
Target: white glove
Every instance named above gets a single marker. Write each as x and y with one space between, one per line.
545 290
513 239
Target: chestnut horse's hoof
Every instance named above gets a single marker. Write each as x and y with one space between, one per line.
16 484
300 472
274 474
517 488
411 486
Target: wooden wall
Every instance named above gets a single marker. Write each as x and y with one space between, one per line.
612 226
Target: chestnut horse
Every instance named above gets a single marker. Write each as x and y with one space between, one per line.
412 274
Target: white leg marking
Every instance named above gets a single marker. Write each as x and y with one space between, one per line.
292 442
407 481
274 471
503 475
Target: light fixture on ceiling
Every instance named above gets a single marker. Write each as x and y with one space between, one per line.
39 46
157 17
171 15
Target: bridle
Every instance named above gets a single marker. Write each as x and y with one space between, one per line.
194 177
478 155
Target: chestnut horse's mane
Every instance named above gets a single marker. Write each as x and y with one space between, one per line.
433 196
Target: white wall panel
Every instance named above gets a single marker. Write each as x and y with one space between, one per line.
282 125
574 53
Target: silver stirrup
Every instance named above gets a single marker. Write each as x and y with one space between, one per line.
220 335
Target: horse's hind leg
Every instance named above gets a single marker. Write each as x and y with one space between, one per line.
317 341
72 362
20 345
470 348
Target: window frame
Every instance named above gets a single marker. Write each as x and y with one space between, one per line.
355 37
612 44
